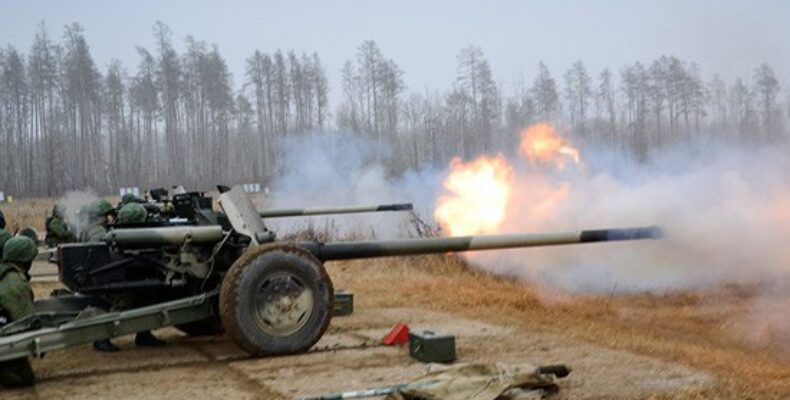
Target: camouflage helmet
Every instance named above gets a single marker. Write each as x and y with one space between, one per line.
132 213
128 198
100 208
20 249
59 210
29 233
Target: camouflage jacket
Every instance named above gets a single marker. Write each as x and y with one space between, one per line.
95 233
57 232
16 297
4 236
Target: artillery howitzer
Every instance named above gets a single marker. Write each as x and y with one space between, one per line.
225 270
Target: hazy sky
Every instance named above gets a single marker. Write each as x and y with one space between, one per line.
423 36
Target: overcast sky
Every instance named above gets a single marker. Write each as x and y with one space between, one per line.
423 36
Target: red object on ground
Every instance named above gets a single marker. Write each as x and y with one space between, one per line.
398 335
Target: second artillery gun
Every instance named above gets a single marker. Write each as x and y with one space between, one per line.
211 271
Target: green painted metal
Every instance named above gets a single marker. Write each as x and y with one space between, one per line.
175 235
104 326
360 394
299 212
429 346
343 304
403 247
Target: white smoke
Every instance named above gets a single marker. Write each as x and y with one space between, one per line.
73 200
342 169
724 212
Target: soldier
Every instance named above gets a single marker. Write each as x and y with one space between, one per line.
101 214
57 228
2 220
16 302
30 233
130 214
129 198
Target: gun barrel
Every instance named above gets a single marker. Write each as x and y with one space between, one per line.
387 248
163 236
297 212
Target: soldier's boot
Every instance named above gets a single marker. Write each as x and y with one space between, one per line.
147 339
105 346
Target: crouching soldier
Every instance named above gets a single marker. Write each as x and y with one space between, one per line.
16 302
101 214
129 214
57 228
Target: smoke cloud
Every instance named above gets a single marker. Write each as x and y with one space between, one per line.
73 200
725 211
341 169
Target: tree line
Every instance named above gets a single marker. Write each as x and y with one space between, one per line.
181 119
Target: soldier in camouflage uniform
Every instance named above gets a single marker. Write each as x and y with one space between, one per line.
130 214
101 213
16 302
30 233
129 198
57 229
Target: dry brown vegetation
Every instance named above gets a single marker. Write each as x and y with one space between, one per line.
27 212
702 329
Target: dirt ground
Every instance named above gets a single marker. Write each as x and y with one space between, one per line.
634 347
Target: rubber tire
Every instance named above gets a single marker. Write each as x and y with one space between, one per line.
205 327
243 279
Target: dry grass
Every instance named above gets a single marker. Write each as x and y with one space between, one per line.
27 212
32 212
690 328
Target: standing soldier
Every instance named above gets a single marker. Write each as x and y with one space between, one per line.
130 214
16 302
57 228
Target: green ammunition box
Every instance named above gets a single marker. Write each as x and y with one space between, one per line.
429 346
344 303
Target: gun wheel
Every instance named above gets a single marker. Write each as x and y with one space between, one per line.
276 299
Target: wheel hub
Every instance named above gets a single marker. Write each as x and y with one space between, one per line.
283 305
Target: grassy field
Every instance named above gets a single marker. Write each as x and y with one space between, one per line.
27 212
708 329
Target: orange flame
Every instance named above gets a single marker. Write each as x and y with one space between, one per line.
478 196
540 143
478 193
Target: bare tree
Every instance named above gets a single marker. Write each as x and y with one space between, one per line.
577 93
544 92
767 90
